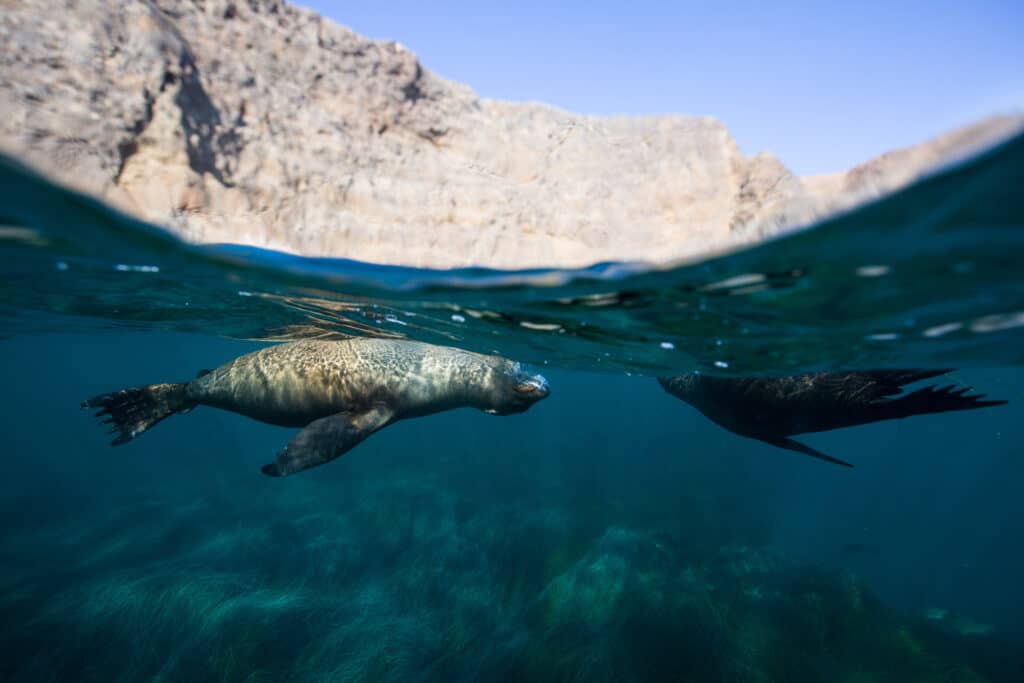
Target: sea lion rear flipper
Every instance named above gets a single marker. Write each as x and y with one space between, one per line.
326 439
132 411
791 445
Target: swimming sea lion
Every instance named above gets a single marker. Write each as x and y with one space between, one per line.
340 392
771 409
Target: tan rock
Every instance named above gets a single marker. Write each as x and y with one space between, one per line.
260 123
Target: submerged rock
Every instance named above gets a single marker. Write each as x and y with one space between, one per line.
957 623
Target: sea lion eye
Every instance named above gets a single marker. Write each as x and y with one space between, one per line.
526 388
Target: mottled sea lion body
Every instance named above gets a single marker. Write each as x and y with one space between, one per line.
292 384
339 391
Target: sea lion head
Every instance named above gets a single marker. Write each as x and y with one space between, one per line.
513 389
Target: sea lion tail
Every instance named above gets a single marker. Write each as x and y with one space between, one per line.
932 399
133 411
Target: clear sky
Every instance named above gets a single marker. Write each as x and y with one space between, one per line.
823 86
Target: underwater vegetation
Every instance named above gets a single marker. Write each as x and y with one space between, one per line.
404 580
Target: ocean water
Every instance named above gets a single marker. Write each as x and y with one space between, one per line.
609 533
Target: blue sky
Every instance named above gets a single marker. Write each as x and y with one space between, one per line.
822 86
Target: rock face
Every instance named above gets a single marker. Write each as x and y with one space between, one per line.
260 123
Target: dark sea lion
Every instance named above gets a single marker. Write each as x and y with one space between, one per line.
771 409
340 392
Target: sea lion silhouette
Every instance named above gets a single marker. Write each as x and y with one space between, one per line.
772 409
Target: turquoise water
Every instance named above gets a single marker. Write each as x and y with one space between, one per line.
609 533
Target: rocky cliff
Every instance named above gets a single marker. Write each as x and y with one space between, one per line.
261 123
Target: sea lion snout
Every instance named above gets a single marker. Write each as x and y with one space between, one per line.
514 390
534 386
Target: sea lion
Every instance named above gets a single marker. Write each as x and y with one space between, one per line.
339 392
771 409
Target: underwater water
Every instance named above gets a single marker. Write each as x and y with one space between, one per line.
611 532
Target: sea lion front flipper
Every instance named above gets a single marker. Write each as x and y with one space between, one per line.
791 445
326 439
